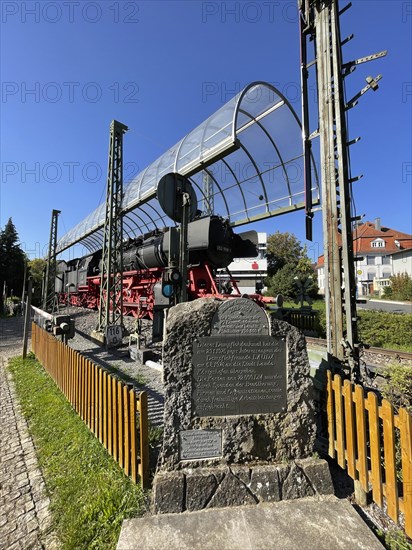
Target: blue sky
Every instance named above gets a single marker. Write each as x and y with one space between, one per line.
68 68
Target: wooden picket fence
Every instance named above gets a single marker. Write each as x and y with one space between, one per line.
107 406
363 436
306 321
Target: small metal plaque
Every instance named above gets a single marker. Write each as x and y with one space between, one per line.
200 444
240 316
113 335
234 375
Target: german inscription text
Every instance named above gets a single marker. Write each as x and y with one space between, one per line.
234 375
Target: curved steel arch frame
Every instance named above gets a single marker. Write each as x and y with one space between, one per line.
223 141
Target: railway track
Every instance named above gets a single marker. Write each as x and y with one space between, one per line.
371 352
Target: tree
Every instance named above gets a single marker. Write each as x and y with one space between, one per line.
282 282
288 261
285 282
12 262
401 287
282 249
36 270
304 265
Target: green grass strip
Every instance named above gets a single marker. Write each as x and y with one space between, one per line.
89 493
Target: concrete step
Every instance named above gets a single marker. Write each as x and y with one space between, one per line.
304 524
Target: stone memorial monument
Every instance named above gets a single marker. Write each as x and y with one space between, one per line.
239 420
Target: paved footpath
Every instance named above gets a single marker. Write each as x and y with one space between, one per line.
24 505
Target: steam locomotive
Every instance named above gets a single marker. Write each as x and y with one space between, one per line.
212 245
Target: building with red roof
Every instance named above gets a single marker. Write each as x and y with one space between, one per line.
378 250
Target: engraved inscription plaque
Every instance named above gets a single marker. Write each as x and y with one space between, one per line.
200 444
234 375
240 316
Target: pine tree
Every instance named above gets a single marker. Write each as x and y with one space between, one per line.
12 260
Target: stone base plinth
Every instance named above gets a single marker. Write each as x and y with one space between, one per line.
98 336
218 487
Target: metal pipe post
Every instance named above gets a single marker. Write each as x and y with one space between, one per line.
183 255
27 317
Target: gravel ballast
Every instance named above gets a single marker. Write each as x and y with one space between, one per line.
117 361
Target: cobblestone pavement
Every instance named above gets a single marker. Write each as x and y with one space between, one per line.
24 505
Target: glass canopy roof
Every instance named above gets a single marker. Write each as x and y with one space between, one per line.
245 163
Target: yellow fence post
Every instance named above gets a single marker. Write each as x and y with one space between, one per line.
340 427
375 448
126 414
77 382
362 462
58 366
144 441
331 416
391 486
65 368
89 393
101 405
96 401
405 421
133 435
350 430
78 359
93 394
105 408
114 417
33 338
71 378
120 420
66 371
109 415
83 389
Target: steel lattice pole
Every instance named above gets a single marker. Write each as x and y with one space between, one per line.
49 294
111 295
